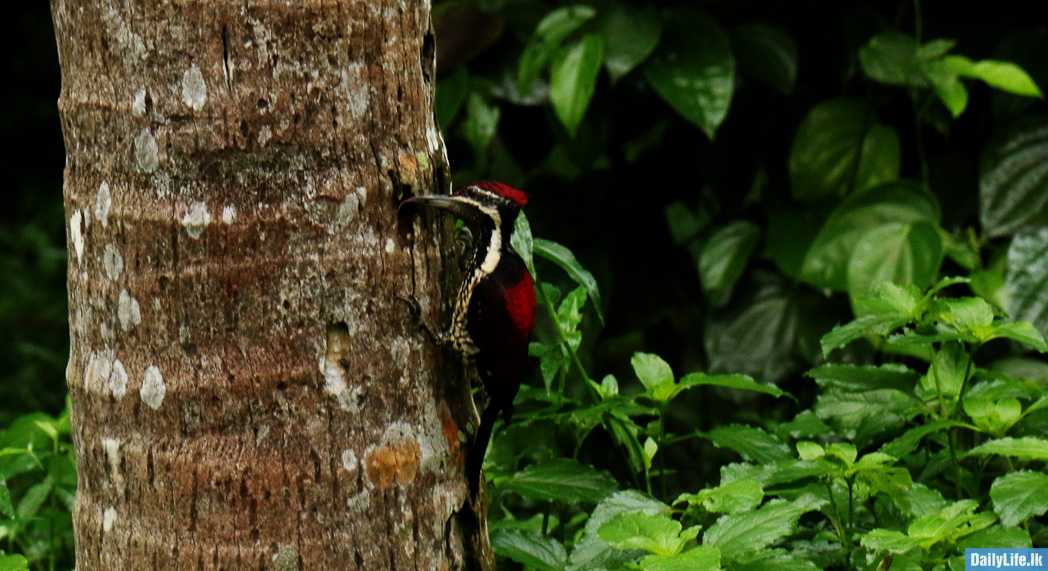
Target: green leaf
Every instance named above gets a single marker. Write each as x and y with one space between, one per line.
450 95
34 498
740 534
840 149
859 416
654 373
861 378
895 204
561 480
700 558
13 562
546 41
530 548
683 223
997 536
1019 496
767 54
521 241
563 257
591 552
993 417
725 257
896 253
693 69
1003 75
1013 180
909 441
730 497
741 382
866 326
733 497
810 450
768 332
775 560
888 540
630 36
1027 277
1025 448
482 120
1021 331
949 371
7 510
573 79
752 443
891 58
657 533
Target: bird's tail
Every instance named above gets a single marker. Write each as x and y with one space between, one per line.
475 458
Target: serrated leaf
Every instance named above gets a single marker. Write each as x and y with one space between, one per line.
573 79
767 54
997 536
775 560
1025 448
561 480
909 441
1027 277
866 326
752 443
1019 496
1021 331
693 69
741 382
841 149
730 497
530 548
564 258
657 533
1013 180
630 36
826 263
888 540
859 416
700 558
591 552
861 378
739 534
724 257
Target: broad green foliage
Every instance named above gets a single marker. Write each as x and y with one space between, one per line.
37 487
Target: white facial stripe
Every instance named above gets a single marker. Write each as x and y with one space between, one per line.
491 259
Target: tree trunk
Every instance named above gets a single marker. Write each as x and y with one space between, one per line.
248 392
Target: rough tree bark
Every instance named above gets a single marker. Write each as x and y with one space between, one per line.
248 392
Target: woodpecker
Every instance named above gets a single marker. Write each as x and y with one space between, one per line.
494 311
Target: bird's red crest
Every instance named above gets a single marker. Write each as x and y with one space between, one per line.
517 197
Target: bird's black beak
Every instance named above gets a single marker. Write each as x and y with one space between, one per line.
453 204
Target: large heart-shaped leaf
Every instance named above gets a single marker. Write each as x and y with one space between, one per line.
840 148
693 69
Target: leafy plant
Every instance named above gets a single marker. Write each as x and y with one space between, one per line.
37 489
